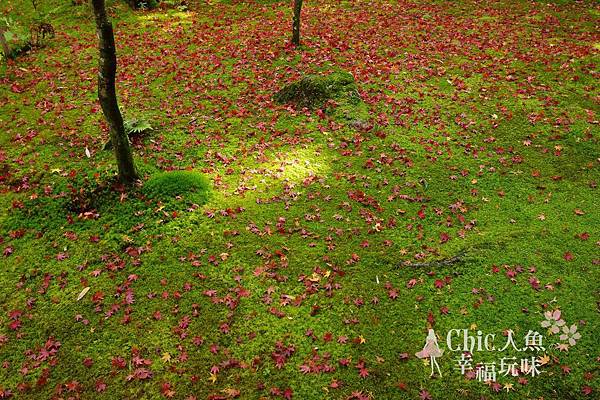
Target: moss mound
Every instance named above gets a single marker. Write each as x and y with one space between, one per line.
189 184
313 91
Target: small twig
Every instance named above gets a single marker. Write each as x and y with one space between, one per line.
435 263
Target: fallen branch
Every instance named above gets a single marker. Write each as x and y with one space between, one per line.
445 262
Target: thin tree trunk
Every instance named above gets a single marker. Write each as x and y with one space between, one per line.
108 96
5 48
296 23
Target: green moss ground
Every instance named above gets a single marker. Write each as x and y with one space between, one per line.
478 136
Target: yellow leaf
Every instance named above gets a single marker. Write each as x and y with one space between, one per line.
231 393
166 358
543 360
83 292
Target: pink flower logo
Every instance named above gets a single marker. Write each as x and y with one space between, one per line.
553 321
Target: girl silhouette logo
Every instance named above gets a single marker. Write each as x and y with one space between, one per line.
431 350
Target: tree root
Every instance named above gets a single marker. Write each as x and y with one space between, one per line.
445 262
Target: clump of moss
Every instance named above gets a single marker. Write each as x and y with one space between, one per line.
188 184
313 91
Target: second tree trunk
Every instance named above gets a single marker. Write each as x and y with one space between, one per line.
296 23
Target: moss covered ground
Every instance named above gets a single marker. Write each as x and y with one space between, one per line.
315 265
